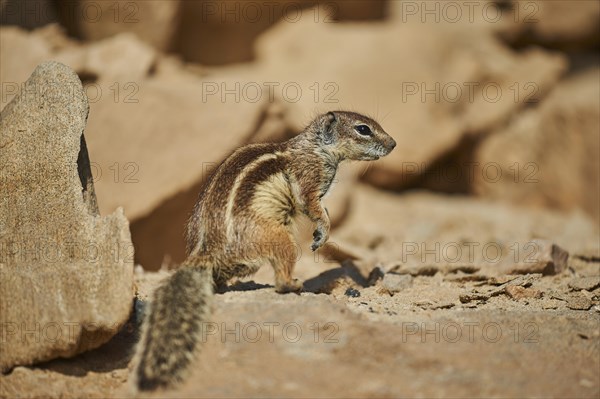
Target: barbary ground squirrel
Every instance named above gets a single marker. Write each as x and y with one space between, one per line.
246 206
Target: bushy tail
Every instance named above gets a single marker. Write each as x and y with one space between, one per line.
172 327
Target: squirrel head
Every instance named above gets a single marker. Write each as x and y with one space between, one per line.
349 135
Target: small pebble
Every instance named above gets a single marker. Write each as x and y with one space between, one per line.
579 302
585 283
393 283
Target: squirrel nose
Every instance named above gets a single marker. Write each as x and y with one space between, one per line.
393 144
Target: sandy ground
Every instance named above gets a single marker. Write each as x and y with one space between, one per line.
427 340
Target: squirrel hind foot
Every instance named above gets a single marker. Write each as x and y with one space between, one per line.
294 286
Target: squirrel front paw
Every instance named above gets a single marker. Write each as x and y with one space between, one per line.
320 236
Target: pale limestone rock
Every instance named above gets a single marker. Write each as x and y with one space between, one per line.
66 272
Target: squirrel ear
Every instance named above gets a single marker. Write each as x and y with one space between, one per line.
328 133
330 117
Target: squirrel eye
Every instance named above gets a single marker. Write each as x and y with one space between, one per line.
364 130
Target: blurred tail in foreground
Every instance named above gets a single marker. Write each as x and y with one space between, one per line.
172 327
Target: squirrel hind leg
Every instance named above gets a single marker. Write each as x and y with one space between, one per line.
239 268
283 259
172 329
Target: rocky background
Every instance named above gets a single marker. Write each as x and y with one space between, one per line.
466 263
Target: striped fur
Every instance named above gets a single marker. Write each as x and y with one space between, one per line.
171 332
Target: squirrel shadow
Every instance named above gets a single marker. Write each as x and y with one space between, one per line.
325 282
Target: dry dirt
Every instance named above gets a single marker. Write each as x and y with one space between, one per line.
420 343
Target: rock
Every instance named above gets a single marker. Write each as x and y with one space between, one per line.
123 59
55 36
342 10
239 24
519 292
544 23
442 305
155 22
439 232
462 278
525 280
579 302
433 306
27 15
400 267
66 272
237 33
516 287
393 283
473 296
524 162
114 66
558 295
425 270
499 280
467 269
585 283
21 53
549 306
541 256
